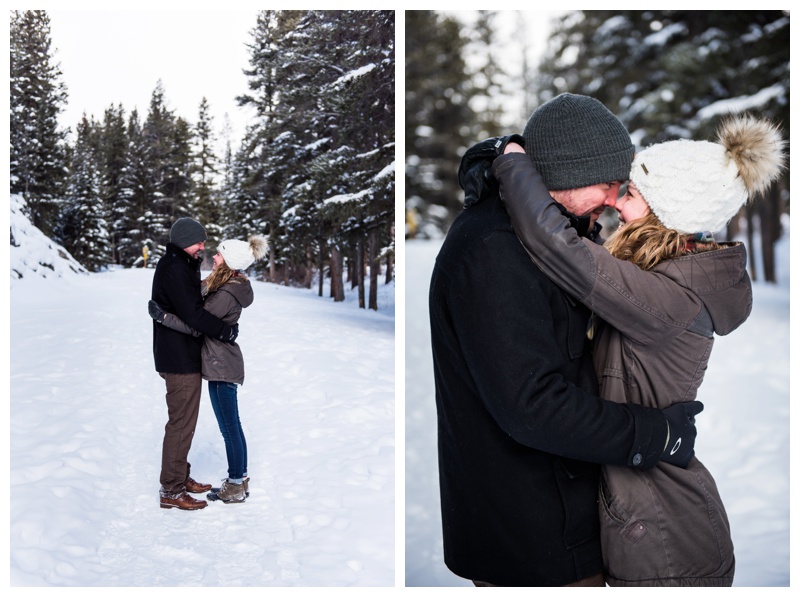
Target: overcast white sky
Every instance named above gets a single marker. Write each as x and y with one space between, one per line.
109 57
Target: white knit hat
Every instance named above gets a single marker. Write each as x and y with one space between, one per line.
241 255
698 186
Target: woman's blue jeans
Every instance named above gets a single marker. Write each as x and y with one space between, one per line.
226 409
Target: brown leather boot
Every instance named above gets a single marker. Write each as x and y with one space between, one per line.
182 501
193 486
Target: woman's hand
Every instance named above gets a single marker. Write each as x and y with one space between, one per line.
513 148
156 312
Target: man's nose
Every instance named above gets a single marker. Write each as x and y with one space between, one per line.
611 198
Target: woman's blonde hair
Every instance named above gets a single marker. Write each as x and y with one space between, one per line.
219 276
647 242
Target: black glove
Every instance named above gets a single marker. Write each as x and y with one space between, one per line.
682 432
230 333
501 142
475 172
156 312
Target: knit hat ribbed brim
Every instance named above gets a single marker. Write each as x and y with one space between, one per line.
575 141
186 232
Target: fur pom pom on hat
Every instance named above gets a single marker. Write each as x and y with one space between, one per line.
698 186
239 254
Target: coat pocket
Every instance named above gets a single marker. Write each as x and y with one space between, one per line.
577 483
629 528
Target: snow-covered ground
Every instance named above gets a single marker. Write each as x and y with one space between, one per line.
87 421
743 433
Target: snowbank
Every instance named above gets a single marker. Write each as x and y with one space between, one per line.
32 253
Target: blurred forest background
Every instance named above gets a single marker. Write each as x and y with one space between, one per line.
666 74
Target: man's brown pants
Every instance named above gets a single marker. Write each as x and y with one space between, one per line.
183 406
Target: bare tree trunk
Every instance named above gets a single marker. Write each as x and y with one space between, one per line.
390 260
360 271
751 256
323 247
337 270
352 270
272 264
309 267
735 225
770 216
374 268
389 268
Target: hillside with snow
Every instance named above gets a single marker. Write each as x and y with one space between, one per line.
32 253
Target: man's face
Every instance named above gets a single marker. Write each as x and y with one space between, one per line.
195 249
589 201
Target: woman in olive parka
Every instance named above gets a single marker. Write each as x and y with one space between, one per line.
660 288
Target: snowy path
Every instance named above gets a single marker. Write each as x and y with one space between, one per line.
87 419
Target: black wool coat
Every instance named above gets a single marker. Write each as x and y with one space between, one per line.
520 426
176 287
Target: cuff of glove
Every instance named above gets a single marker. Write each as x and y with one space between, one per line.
502 142
650 436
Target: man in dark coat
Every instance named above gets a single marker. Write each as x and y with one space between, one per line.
520 425
176 288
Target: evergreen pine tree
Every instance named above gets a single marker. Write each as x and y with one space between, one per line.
113 161
485 82
139 182
166 155
360 106
262 159
83 230
205 204
38 156
178 183
438 121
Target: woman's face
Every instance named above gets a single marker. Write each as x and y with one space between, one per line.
217 260
631 206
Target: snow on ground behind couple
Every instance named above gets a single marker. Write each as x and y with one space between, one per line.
87 420
743 433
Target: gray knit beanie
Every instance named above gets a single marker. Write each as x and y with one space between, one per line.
575 141
186 232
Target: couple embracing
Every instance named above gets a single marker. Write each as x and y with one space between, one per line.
195 326
567 367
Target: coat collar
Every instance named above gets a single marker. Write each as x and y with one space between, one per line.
179 253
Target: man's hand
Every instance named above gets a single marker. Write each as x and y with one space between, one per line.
230 333
156 311
475 172
681 432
